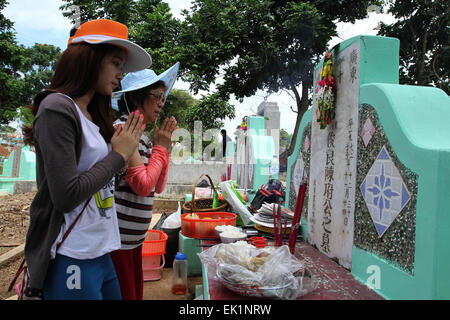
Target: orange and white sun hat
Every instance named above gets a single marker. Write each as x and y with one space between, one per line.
115 33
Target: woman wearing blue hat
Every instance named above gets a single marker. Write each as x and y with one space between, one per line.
146 92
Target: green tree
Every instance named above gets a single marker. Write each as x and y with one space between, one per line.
178 103
285 139
422 27
23 71
155 29
252 45
37 68
118 10
26 116
210 110
11 55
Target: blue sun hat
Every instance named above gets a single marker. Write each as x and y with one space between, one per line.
143 78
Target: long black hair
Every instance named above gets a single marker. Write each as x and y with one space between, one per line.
75 74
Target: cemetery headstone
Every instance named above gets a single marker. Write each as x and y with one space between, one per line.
379 175
333 149
256 159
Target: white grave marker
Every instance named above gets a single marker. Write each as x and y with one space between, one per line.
332 178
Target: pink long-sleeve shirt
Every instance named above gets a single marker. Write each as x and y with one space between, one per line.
134 194
142 179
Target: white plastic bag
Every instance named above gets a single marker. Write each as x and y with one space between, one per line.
174 220
276 270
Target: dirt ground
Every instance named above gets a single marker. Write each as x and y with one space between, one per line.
14 221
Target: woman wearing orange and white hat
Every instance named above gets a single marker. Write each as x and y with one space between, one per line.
73 222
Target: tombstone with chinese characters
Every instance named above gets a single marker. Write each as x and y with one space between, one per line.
379 175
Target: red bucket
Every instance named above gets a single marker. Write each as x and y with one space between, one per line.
154 243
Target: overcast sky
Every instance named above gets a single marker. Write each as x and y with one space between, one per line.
42 22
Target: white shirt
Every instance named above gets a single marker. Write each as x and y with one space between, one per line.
96 232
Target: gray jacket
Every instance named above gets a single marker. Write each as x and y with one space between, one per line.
57 137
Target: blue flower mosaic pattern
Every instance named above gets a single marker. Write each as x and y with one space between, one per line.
384 192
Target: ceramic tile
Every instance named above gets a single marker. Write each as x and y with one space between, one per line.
367 131
384 192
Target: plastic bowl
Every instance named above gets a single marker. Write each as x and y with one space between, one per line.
306 283
218 231
258 239
260 243
233 239
255 291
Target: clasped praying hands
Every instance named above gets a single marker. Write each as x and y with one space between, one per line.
126 138
163 136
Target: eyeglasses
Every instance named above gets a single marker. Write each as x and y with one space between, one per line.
161 96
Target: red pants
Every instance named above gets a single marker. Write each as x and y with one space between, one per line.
128 265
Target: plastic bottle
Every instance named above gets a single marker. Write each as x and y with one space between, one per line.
179 279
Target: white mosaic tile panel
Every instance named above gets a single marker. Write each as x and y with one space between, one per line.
384 192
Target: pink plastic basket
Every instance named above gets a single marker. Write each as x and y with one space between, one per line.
153 250
151 267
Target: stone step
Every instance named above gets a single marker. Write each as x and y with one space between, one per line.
11 254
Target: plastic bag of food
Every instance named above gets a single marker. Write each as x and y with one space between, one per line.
174 220
268 272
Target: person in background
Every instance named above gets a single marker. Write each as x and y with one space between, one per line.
225 140
146 92
78 154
